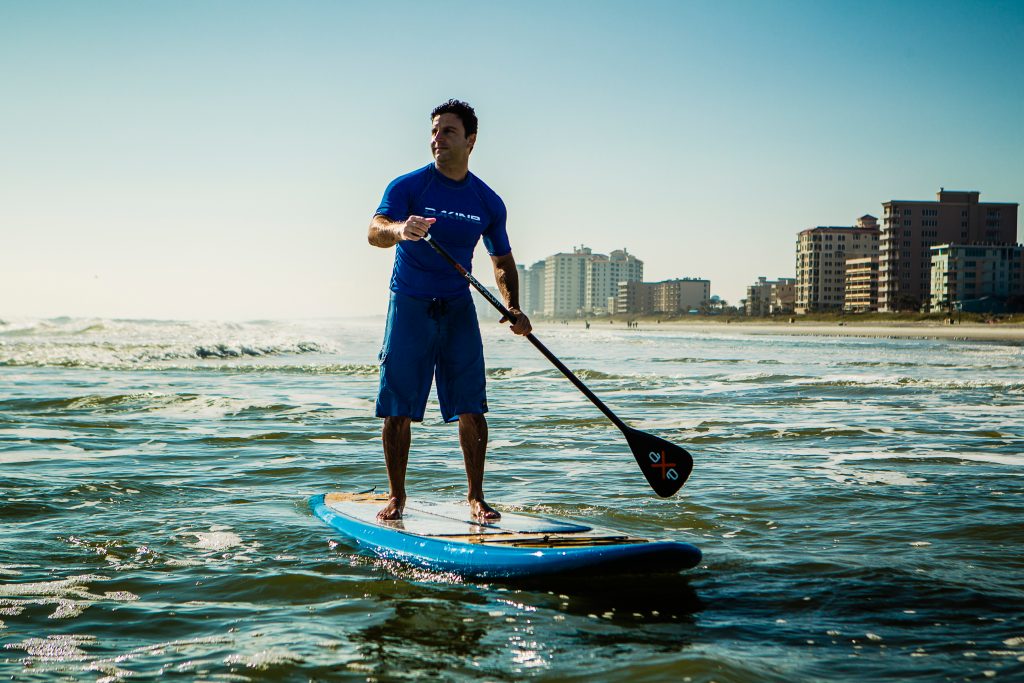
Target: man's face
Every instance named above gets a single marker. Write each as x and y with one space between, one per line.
449 142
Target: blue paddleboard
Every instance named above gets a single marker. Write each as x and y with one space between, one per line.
445 538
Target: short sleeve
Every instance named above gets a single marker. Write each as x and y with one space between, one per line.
495 237
395 202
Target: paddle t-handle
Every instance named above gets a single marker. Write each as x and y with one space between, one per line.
665 465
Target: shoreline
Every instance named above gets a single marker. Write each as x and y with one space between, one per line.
967 331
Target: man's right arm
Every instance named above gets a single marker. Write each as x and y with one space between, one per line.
385 232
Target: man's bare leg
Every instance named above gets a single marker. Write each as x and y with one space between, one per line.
473 439
396 435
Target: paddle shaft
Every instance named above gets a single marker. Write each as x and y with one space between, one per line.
493 300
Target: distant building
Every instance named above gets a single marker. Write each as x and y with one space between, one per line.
531 288
585 283
861 294
758 294
602 276
563 284
783 296
975 276
485 312
634 298
821 255
770 297
668 297
911 228
523 273
680 295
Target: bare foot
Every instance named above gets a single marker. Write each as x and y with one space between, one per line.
483 511
392 511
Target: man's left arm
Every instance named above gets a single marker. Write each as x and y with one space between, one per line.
507 278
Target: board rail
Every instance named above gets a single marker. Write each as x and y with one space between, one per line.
531 546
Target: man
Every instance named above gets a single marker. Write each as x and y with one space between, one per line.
432 327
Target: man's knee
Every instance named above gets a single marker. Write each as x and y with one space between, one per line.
475 423
394 423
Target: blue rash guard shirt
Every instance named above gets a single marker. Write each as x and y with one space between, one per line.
466 211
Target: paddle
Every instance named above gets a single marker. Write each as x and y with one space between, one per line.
665 465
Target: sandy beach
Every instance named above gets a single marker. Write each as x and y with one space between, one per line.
972 331
966 331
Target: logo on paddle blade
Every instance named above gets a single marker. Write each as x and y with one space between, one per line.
658 461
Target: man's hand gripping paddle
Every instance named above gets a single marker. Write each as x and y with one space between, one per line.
665 465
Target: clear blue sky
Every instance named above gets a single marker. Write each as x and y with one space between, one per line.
221 159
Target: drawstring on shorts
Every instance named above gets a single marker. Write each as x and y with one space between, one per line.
437 308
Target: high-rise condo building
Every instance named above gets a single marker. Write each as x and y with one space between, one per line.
978 277
821 255
585 283
531 288
603 275
911 228
564 283
861 285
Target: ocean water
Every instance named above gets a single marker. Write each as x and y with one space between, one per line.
858 502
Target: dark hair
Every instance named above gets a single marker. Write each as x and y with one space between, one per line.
460 109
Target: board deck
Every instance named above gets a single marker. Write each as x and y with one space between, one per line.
445 537
444 519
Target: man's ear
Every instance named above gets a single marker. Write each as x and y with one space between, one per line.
472 141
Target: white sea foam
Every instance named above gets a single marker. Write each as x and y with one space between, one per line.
187 562
848 475
13 569
747 377
127 343
1009 459
55 648
670 423
166 404
503 443
216 540
74 585
36 433
70 597
206 407
62 452
264 659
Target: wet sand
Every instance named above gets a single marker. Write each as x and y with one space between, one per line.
926 329
967 331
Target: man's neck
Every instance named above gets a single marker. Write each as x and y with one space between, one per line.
456 173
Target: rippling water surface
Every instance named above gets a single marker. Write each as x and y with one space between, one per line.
858 502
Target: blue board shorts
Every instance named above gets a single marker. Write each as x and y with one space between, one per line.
427 339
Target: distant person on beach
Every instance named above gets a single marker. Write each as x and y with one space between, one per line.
432 328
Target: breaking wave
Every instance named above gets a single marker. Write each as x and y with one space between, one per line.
122 344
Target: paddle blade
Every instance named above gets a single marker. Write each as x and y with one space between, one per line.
665 464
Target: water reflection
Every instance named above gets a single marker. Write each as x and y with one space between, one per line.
626 598
422 637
